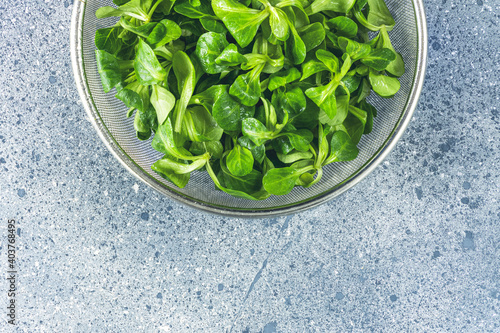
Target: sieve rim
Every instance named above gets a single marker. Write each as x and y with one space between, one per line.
313 201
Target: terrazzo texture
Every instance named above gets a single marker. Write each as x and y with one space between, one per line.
414 247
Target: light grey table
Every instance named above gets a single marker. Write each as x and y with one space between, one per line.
414 247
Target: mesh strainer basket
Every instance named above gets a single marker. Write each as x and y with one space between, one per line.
107 114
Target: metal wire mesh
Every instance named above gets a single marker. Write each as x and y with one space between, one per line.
117 131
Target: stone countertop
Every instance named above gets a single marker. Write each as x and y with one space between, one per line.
414 247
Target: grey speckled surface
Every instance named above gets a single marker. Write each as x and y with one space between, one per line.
414 247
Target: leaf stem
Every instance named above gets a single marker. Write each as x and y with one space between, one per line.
318 177
152 10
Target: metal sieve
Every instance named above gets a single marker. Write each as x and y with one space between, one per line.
409 37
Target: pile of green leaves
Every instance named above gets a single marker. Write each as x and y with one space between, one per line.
262 94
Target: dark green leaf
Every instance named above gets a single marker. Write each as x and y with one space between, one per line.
163 102
255 131
258 152
143 130
281 78
354 49
329 60
384 85
351 81
134 95
282 145
340 6
165 7
140 30
342 148
218 180
195 3
208 97
126 52
229 113
180 168
194 27
164 32
292 101
295 48
131 8
263 52
294 156
213 24
324 97
248 183
379 59
280 181
308 118
358 113
397 66
241 21
246 88
354 127
149 118
107 40
371 112
300 139
299 17
185 8
164 141
318 18
230 56
186 77
278 23
332 40
210 45
378 15
165 170
312 67
364 90
214 148
109 70
342 110
147 67
199 125
240 161
343 26
312 35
